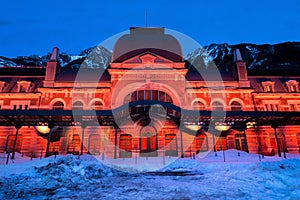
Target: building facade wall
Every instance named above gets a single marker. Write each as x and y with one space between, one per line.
128 142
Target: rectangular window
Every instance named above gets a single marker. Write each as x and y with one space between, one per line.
266 107
22 89
268 88
292 107
147 95
134 97
139 95
170 142
292 88
154 95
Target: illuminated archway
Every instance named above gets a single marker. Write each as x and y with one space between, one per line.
199 104
217 105
58 105
97 104
236 106
77 105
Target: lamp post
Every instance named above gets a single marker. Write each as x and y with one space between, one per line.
17 126
256 131
284 146
244 127
116 142
45 128
181 144
214 144
274 125
83 126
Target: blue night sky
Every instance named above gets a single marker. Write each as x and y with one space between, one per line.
35 26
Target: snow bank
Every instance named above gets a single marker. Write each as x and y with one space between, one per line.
242 176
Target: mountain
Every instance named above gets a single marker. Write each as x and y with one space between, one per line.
265 57
278 57
93 57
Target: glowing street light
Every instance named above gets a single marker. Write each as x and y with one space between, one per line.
194 126
250 125
45 128
222 126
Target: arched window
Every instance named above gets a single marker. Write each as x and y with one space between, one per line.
236 106
58 105
141 95
78 105
97 105
198 105
217 106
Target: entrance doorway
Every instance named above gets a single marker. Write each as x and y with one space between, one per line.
125 146
148 141
240 142
221 143
94 144
201 143
171 146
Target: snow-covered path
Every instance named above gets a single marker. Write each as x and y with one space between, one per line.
241 177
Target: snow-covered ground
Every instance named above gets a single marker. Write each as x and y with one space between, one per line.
242 176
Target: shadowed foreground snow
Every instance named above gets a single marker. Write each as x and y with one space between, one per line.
66 177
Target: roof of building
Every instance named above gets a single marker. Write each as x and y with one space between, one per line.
279 83
147 38
12 84
208 75
83 74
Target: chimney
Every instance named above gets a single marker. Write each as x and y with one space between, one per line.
52 68
239 69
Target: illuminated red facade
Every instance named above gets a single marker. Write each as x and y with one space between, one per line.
157 66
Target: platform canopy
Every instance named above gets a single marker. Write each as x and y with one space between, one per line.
178 115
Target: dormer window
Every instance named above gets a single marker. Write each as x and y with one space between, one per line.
292 85
24 86
268 86
2 85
